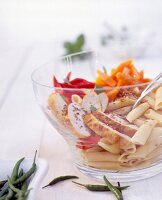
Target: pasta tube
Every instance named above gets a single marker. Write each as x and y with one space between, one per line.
143 133
150 101
139 122
137 112
120 103
102 156
106 165
128 147
158 98
155 154
152 143
151 114
112 148
95 149
123 111
124 159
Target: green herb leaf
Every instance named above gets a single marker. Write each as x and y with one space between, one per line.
93 108
80 41
62 96
75 46
105 70
98 89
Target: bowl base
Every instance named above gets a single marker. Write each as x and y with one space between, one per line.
122 176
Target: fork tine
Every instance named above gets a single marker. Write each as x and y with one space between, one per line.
152 82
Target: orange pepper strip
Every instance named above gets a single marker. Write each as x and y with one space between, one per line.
145 80
121 79
107 88
134 73
121 83
141 75
119 76
125 71
107 79
113 71
120 68
127 79
100 82
112 94
124 74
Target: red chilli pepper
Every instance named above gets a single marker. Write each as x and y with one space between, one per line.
76 83
68 76
82 83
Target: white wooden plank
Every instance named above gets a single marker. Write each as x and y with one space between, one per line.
11 62
21 119
20 124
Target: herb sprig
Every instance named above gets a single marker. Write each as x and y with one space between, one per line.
75 46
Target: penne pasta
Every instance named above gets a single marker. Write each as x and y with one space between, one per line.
150 101
102 156
126 161
143 133
106 165
137 112
139 122
129 148
120 103
123 111
152 95
154 154
123 158
153 142
112 148
95 149
158 98
136 91
151 114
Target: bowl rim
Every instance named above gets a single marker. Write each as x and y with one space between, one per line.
80 89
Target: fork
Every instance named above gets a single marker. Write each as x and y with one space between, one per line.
151 86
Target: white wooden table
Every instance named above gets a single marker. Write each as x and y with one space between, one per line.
23 129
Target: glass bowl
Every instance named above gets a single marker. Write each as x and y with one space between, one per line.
105 136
